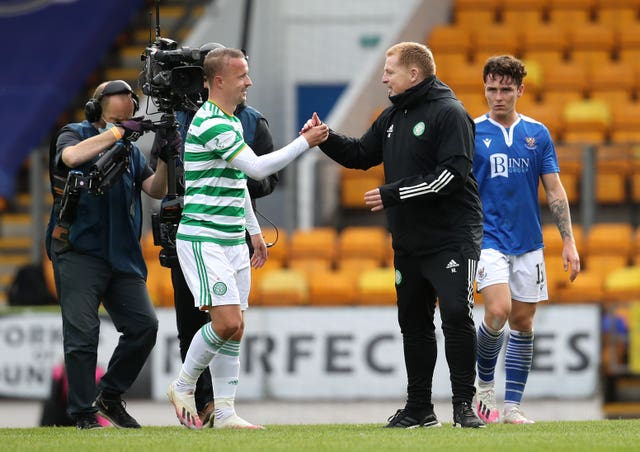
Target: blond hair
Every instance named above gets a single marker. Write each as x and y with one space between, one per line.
414 54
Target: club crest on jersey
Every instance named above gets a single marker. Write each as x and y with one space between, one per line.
481 274
418 129
530 143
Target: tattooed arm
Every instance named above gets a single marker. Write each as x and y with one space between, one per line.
559 206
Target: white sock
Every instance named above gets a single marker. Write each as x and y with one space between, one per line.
225 372
204 345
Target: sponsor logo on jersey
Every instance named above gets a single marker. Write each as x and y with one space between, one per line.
502 165
487 142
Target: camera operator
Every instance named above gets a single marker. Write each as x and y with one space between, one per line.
95 249
257 135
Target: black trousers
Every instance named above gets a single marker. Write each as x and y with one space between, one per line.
421 280
82 283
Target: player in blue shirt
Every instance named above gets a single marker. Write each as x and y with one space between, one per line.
513 153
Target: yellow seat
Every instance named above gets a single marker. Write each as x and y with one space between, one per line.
569 13
588 287
283 287
564 82
623 284
546 43
635 182
280 240
355 183
613 82
256 277
609 238
446 38
467 79
310 265
527 13
616 13
332 288
592 44
586 121
553 243
625 123
362 242
570 162
377 287
613 165
316 243
503 40
547 113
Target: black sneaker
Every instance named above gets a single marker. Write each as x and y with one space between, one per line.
410 419
464 416
87 422
114 411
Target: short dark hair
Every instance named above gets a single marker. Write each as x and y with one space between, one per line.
504 66
217 59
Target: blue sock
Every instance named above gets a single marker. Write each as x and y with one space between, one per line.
518 364
489 346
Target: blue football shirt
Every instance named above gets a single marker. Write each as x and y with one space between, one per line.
508 164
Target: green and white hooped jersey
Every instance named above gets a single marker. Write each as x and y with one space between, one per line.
214 198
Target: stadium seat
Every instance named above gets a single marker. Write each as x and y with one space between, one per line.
474 103
467 79
280 249
547 113
625 122
592 44
616 13
452 46
588 287
502 40
613 82
472 17
623 284
609 238
316 243
377 287
523 13
564 82
545 43
635 180
283 287
332 288
310 265
256 276
613 164
556 276
586 121
355 183
570 162
362 242
355 266
569 13
553 243
159 284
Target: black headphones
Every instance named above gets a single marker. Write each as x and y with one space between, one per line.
93 108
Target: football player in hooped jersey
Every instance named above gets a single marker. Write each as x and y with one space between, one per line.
513 153
210 241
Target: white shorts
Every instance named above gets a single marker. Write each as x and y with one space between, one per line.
524 273
217 275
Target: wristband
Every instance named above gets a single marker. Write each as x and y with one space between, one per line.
116 133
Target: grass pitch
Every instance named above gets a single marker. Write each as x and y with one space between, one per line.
608 435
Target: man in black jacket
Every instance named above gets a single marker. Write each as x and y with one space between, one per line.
425 140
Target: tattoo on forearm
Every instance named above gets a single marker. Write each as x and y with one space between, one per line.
562 217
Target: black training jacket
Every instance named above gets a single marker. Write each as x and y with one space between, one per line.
426 141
